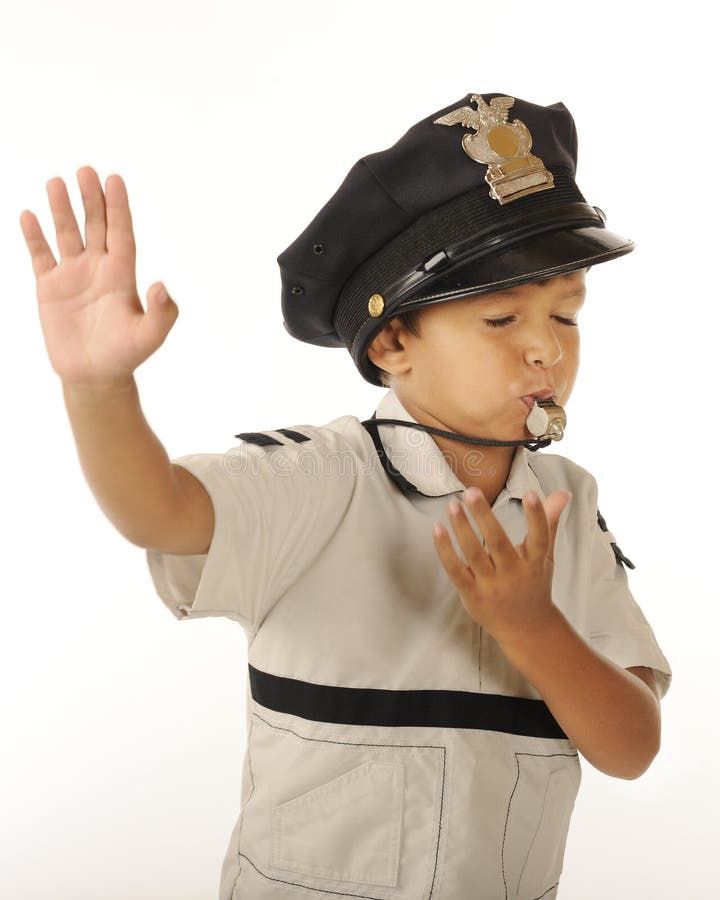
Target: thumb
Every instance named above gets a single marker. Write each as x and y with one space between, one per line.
161 296
162 312
554 505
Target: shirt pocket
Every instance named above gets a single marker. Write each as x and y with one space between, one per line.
338 808
348 829
538 821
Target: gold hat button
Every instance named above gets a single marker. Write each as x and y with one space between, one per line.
376 305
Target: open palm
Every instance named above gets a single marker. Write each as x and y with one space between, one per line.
95 328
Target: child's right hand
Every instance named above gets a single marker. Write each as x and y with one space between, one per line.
95 328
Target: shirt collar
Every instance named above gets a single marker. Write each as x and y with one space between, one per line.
418 458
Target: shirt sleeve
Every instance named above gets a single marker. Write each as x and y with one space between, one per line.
275 508
616 626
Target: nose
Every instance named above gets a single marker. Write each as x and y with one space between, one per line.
543 346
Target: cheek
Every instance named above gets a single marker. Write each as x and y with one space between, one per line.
571 343
571 362
453 349
573 349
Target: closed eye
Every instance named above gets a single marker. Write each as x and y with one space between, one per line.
499 323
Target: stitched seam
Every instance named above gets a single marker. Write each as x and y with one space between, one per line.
548 891
352 871
242 814
297 884
637 629
351 744
383 188
507 814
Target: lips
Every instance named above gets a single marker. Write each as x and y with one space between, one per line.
529 399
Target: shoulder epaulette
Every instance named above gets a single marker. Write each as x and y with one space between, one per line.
263 439
619 555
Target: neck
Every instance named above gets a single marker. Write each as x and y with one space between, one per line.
486 468
483 467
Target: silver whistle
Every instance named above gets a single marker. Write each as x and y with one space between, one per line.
546 420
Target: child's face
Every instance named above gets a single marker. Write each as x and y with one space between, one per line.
472 374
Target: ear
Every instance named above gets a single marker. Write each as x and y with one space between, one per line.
388 348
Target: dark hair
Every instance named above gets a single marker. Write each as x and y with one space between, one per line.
411 321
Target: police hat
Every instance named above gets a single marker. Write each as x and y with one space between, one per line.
476 197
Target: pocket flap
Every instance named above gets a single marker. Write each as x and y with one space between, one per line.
347 829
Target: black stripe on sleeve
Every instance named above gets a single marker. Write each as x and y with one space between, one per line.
295 435
259 438
619 555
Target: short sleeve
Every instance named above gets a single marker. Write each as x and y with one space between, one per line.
274 511
616 626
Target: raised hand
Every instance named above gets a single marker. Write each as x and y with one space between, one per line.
95 328
505 589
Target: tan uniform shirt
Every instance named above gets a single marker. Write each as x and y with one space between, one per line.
393 751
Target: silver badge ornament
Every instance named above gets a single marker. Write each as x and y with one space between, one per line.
503 146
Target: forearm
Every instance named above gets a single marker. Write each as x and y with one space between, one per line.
126 466
609 714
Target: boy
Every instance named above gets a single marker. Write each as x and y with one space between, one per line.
414 711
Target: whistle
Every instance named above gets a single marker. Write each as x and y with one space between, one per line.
546 420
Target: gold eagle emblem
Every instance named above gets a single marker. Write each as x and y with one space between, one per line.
503 146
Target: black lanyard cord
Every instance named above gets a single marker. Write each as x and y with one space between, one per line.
531 443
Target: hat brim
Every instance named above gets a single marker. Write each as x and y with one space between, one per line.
532 259
541 256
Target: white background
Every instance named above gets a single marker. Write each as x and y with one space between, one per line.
123 729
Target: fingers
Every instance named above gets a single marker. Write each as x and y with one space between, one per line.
108 224
537 538
120 239
543 521
473 551
555 504
69 239
497 543
460 575
94 203
539 543
40 252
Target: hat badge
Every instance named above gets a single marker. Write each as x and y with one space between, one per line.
503 146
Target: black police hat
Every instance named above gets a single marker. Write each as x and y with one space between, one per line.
446 212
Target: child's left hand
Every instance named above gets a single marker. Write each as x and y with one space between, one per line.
506 589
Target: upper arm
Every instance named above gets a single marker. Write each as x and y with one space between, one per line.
258 517
192 523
